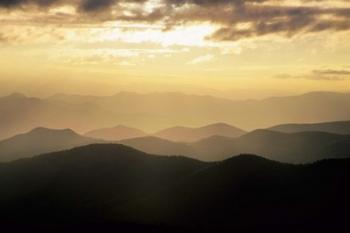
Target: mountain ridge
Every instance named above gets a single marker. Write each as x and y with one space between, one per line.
40 140
297 148
337 127
114 184
192 134
157 111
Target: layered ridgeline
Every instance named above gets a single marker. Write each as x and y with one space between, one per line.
338 127
187 134
179 134
161 110
285 147
117 186
40 141
20 114
292 148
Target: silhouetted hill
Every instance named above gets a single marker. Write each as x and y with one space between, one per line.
300 147
296 148
114 186
251 193
119 132
87 181
293 148
338 149
40 141
215 148
338 127
186 134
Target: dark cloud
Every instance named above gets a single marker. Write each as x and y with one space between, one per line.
264 20
213 2
325 75
16 3
259 19
95 5
85 5
82 5
332 72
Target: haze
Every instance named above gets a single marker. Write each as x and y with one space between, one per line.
174 116
245 50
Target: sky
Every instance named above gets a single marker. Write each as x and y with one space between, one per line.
228 48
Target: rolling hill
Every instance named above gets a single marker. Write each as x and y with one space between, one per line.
40 141
186 134
292 148
159 146
300 147
296 148
338 127
113 186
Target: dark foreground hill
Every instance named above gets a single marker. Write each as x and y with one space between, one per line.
113 186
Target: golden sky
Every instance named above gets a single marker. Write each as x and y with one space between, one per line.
228 48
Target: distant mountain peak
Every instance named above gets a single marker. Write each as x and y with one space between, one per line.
220 125
16 95
187 134
43 130
41 140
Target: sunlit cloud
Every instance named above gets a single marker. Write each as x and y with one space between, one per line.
202 59
232 20
231 40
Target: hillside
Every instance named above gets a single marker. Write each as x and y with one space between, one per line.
116 186
300 147
85 181
186 134
39 141
159 146
338 127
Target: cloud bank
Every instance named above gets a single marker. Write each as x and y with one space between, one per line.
323 75
235 19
